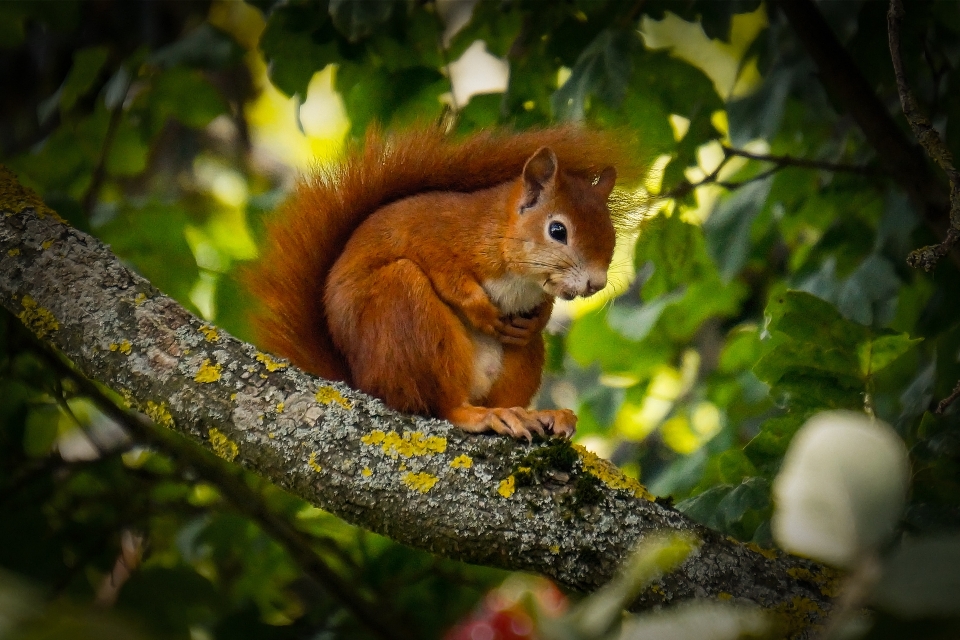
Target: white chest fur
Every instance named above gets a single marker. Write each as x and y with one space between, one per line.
514 294
487 365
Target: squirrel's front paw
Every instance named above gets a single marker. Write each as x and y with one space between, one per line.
484 317
517 330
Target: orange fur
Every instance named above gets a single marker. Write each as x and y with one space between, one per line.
378 271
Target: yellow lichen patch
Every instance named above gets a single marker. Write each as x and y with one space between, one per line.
210 333
366 472
16 198
233 397
723 595
13 252
609 474
798 614
328 395
507 486
657 589
271 435
313 464
827 579
127 396
280 407
421 482
36 318
374 437
124 347
222 445
158 412
268 362
554 549
462 462
139 299
208 372
411 444
46 244
769 554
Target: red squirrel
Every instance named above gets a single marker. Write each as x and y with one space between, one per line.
421 269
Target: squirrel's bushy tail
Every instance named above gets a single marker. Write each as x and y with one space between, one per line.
307 234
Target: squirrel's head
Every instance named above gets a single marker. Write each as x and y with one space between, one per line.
562 235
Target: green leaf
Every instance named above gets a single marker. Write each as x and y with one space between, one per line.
41 430
741 349
498 25
128 153
734 466
877 353
357 19
807 318
298 41
727 229
766 449
758 115
704 507
743 509
483 111
87 65
677 253
206 47
869 295
186 95
376 95
635 323
592 340
603 69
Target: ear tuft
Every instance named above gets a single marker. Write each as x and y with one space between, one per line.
539 174
605 182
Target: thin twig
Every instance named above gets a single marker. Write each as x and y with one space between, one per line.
100 170
686 187
929 139
803 163
946 402
779 162
731 186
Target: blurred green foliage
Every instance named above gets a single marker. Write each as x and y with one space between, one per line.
764 290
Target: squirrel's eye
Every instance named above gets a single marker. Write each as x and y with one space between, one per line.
558 231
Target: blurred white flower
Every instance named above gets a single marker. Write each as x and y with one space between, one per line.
841 489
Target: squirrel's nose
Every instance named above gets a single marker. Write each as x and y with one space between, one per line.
594 285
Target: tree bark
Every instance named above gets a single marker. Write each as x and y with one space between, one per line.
419 481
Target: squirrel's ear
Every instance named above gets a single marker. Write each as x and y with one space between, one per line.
605 182
538 175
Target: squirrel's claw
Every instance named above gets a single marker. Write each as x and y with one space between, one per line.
514 421
559 422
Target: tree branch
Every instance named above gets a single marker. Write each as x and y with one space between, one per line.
245 500
419 481
929 138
